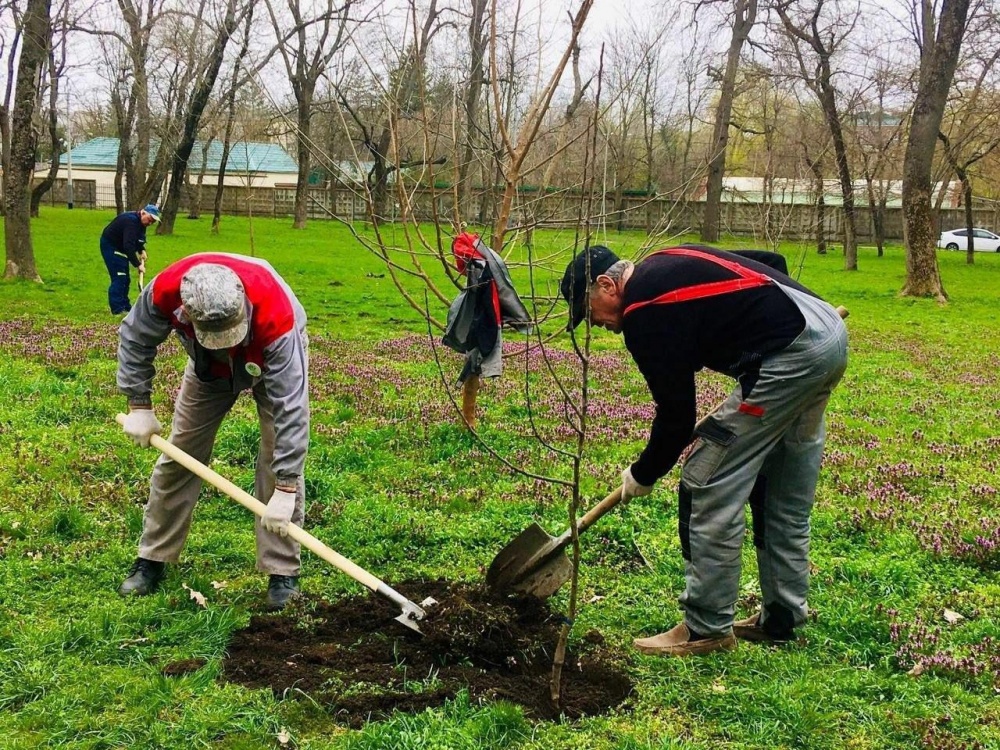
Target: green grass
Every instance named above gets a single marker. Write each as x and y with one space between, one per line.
908 484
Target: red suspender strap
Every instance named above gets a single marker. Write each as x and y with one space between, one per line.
746 279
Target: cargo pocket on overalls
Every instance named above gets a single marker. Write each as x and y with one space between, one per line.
714 442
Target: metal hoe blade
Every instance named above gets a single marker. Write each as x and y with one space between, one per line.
411 613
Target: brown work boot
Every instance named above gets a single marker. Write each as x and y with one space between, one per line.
679 642
750 629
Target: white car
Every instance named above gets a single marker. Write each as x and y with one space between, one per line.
957 239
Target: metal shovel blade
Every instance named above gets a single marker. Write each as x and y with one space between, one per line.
546 579
534 562
523 565
509 562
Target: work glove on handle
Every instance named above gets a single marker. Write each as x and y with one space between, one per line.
279 512
141 424
631 488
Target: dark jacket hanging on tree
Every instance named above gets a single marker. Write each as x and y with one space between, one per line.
480 311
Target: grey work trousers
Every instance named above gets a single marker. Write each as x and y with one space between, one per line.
174 490
773 438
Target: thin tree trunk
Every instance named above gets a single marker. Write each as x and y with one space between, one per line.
198 102
194 210
304 125
970 245
473 100
5 113
829 104
816 167
745 15
44 185
939 58
878 218
220 186
23 141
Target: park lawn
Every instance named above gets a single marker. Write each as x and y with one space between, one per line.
906 527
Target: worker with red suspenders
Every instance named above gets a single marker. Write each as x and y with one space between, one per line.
692 307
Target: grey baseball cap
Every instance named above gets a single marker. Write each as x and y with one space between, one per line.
215 303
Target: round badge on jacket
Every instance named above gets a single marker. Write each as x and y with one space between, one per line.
253 369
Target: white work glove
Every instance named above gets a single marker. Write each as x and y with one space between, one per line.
631 488
141 424
279 512
142 266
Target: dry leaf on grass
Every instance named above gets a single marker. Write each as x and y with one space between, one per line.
198 597
951 617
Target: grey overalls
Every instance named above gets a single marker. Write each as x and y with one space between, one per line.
777 433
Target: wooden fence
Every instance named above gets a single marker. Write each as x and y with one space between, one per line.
555 209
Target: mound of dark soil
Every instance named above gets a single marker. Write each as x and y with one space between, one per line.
352 657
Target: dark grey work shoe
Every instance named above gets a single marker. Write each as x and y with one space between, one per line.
280 589
750 629
144 577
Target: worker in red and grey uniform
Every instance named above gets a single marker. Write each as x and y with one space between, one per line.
692 307
243 329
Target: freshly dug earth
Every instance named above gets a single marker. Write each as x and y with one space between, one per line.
355 659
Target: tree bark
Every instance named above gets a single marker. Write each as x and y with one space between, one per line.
220 185
199 100
304 98
194 210
823 44
134 145
23 141
970 245
938 60
304 69
745 15
5 106
472 102
52 120
816 167
876 204
829 105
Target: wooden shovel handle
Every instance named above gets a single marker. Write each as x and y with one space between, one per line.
599 510
251 503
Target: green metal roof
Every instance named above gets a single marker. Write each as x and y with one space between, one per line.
102 153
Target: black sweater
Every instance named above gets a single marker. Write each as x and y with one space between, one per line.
126 234
729 333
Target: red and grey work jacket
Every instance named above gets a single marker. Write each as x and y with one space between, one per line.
694 307
274 352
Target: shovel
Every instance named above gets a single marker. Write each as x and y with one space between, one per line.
533 562
411 612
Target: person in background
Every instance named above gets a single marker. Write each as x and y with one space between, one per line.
243 329
691 307
123 244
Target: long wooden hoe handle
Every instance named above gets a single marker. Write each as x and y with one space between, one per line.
251 503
